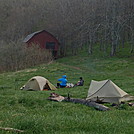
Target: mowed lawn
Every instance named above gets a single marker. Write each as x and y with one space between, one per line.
32 112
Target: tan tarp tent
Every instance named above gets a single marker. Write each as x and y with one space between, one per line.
107 91
38 83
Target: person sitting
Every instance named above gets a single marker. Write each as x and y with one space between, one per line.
80 82
63 82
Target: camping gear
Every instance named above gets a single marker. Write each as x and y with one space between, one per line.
131 104
69 85
56 97
38 83
107 91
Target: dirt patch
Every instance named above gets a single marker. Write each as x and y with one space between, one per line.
131 75
31 70
74 67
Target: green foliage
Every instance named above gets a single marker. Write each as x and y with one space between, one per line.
32 112
124 51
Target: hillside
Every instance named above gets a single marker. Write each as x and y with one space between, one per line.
32 112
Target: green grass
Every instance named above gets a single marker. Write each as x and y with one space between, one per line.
33 113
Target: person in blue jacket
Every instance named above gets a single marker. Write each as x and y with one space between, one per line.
63 81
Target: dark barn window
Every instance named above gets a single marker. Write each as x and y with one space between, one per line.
50 45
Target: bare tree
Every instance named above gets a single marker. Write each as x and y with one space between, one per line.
76 23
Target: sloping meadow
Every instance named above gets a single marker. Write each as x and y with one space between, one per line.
33 113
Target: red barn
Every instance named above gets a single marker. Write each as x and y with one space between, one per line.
44 39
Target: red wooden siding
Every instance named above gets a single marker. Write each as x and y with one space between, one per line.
42 38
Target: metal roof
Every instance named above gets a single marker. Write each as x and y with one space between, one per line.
30 36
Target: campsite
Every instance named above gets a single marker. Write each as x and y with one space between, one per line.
32 112
67 66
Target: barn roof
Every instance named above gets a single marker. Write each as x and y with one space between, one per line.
30 36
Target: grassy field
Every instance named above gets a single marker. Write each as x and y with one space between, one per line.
32 112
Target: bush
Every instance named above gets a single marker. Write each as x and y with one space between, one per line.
16 55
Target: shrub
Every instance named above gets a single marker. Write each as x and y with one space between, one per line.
16 55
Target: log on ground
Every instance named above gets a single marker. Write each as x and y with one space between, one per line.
88 103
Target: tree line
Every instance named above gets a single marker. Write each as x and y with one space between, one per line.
75 23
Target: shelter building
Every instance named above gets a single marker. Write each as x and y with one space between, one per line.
44 39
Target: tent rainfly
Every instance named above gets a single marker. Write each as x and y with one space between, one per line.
38 83
107 91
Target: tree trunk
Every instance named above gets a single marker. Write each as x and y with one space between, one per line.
88 103
57 97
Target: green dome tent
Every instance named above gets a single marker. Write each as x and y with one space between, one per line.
107 91
38 83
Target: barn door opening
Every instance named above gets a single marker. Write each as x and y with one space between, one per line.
51 46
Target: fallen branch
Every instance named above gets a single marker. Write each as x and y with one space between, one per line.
11 129
88 103
56 97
